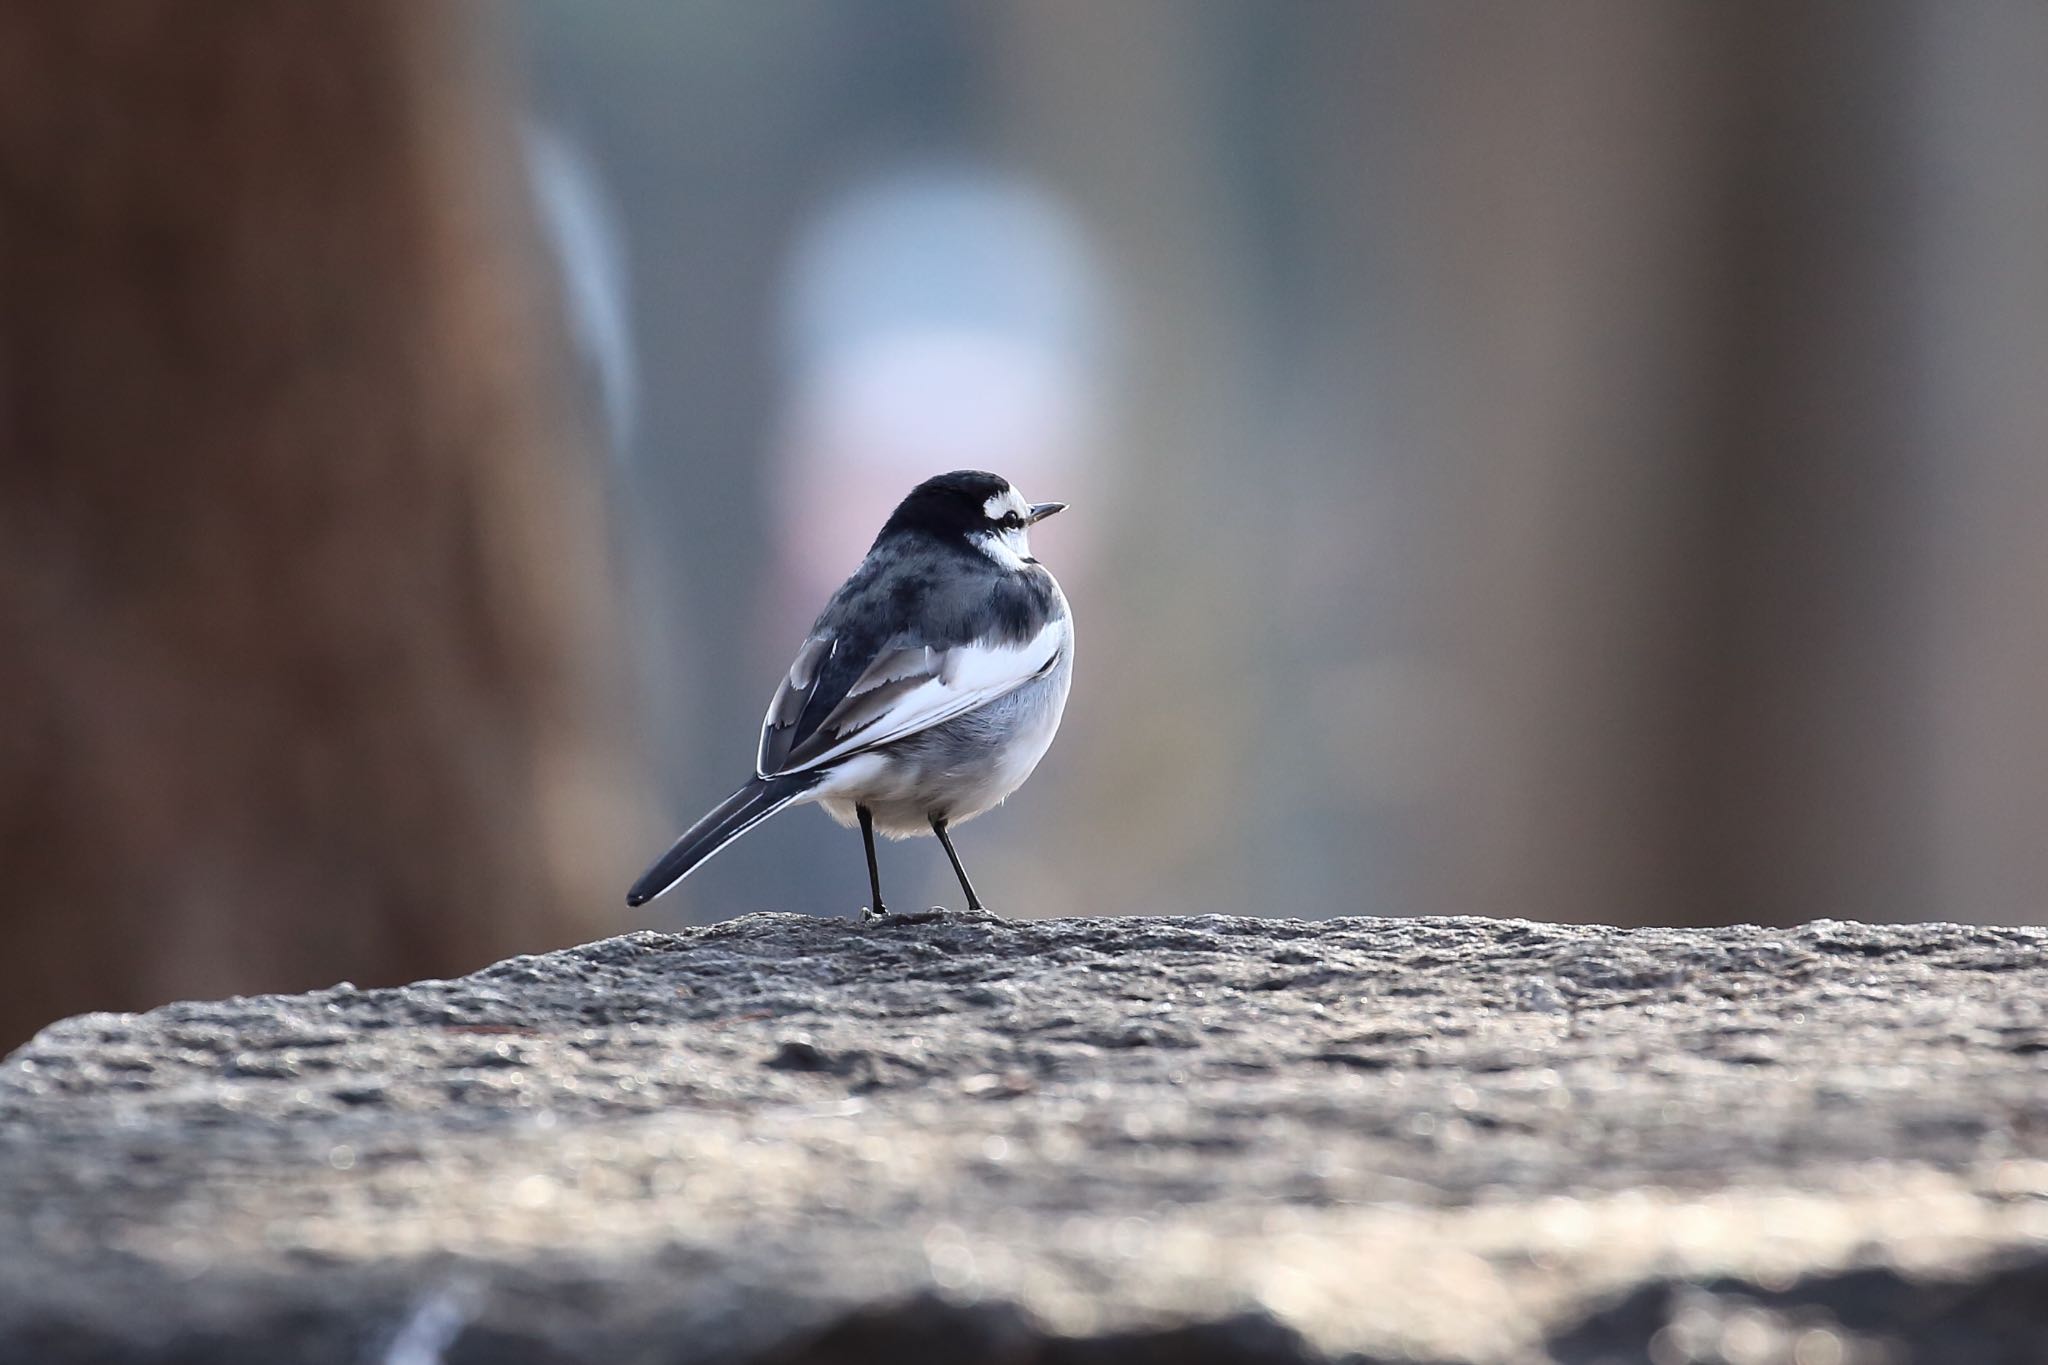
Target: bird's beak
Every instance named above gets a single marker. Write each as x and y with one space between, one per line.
1041 510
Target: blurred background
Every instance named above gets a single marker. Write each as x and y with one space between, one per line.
1577 461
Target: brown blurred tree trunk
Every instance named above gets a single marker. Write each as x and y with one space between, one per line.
298 596
1694 605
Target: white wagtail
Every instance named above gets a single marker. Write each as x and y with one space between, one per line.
927 692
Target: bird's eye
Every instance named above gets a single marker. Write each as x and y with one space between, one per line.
1010 521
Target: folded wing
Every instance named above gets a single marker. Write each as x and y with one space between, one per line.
830 706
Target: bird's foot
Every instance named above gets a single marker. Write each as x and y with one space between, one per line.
873 914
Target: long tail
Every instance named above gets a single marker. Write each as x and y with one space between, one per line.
732 817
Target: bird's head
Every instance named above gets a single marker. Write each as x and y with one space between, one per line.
979 507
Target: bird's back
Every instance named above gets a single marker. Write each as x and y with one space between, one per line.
915 593
966 766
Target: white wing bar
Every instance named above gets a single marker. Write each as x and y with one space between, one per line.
956 681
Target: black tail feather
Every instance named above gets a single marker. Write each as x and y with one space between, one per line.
731 818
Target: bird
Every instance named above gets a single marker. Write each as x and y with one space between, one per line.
928 690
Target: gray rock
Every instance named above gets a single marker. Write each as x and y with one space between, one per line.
798 1140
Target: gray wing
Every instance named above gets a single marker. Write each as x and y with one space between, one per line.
829 706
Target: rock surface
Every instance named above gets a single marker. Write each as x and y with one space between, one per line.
797 1140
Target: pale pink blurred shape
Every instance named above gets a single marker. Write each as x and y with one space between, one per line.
938 319
869 428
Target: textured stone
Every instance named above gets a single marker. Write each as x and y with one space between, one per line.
801 1140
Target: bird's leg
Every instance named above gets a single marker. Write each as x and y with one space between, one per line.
939 828
867 837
